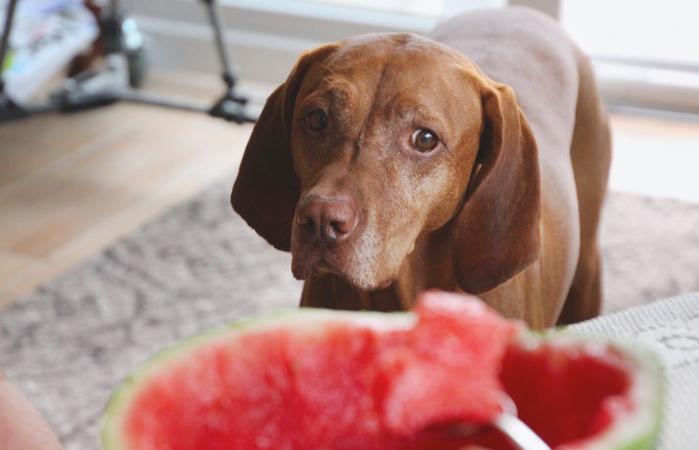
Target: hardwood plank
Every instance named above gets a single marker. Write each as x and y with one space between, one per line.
99 235
11 263
6 298
32 144
658 127
64 201
655 157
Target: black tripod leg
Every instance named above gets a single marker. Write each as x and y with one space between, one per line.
230 106
227 71
113 8
9 110
5 39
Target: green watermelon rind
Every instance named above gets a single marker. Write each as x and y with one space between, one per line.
617 438
648 440
645 364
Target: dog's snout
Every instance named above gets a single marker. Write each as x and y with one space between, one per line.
327 220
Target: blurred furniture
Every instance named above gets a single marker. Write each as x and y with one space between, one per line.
122 69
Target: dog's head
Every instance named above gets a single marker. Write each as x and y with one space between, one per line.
375 142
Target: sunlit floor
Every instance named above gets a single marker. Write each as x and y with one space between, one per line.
656 157
70 185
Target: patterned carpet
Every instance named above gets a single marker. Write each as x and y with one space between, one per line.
68 345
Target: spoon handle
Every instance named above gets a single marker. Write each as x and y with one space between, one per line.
519 433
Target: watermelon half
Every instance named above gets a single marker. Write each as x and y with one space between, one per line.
319 379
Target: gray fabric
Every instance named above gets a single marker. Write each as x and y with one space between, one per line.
69 344
671 329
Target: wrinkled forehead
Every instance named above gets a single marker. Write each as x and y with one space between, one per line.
389 68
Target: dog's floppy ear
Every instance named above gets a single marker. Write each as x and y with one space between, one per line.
496 233
266 190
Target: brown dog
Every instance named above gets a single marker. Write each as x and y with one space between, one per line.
392 163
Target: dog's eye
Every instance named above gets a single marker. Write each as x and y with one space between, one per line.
424 140
316 120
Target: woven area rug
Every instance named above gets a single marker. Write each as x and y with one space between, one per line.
71 342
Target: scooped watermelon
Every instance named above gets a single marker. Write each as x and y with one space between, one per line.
321 379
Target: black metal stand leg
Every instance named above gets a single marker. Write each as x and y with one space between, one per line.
9 110
230 106
113 8
226 69
5 39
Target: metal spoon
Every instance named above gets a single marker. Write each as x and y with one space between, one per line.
509 424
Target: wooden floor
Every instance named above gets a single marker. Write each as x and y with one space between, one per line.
70 185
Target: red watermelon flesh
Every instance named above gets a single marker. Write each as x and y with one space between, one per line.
347 385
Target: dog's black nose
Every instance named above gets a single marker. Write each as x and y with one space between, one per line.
327 220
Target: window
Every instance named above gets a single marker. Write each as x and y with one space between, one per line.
646 32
